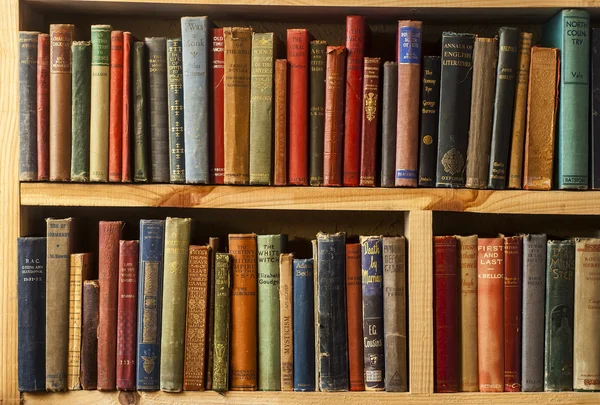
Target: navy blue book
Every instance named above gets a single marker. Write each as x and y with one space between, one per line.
152 240
32 314
304 325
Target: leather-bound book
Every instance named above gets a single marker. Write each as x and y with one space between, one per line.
467 318
194 366
80 111
220 379
213 242
31 304
127 119
127 314
61 37
333 148
28 49
280 158
318 59
89 335
354 312
108 278
176 111
515 172
513 291
445 290
43 105
304 325
370 122
430 114
389 114
490 314
140 119
541 119
80 269
594 109
244 316
409 79
317 341
238 50
485 56
287 321
217 148
115 125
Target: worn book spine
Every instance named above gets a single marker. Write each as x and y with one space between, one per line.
213 242
354 312
318 58
333 147
115 125
485 56
467 318
238 50
80 110
42 104
558 340
594 109
445 290
61 37
455 106
217 148
330 307
409 79
194 366
513 290
89 335
28 59
244 317
31 304
317 350
127 118
127 314
175 105
541 123
80 264
280 158
430 114
175 277
515 172
140 120
99 109
370 122
59 242
394 314
287 321
389 114
195 37
303 325
220 381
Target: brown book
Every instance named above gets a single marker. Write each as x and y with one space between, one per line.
370 122
89 335
213 242
280 178
80 264
356 365
467 316
43 103
542 102
513 294
244 317
333 149
286 299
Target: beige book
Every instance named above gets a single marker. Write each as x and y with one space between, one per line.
286 302
467 342
79 273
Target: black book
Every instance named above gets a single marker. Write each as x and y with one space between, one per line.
317 110
430 114
595 113
389 116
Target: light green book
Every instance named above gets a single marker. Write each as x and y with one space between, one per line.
221 334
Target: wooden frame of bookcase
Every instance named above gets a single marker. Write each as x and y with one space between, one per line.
417 204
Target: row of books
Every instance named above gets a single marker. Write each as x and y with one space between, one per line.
516 313
164 314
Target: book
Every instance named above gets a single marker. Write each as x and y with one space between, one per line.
287 322
430 114
42 103
318 58
220 381
303 325
115 125
513 291
370 122
176 115
467 318
28 48
213 242
140 120
280 148
594 109
333 147
216 140
127 119
354 313
79 271
317 341
80 110
389 114
31 305
89 335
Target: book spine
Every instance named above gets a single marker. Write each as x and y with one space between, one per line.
445 289
485 56
42 97
370 122
389 111
58 249
126 113
175 105
430 114
558 334
140 120
297 56
28 59
409 76
127 314
333 147
79 271
354 312
220 382
195 40
217 150
513 291
280 159
213 242
304 325
244 317
237 104
108 279
196 318
31 304
467 319
89 335
287 321
61 37
515 173
318 51
115 137
330 303
80 110
317 349
455 105
99 109
594 109
394 314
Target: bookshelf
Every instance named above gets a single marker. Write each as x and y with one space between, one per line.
417 213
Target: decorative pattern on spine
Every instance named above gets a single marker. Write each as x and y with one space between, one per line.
176 112
513 293
80 110
333 148
214 248
467 319
140 121
318 50
304 325
28 59
79 272
115 141
370 122
220 381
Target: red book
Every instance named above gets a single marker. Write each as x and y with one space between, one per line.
513 259
356 360
108 280
217 140
127 118
116 107
355 44
297 56
43 88
370 120
127 314
334 116
446 313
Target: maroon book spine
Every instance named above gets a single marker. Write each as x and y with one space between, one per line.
334 116
127 314
217 134
127 121
115 139
370 121
446 314
43 88
513 259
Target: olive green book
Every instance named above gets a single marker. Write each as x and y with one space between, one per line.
81 52
220 380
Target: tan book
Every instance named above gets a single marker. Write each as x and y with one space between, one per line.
80 263
286 302
280 158
467 323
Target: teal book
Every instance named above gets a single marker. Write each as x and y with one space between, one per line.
569 31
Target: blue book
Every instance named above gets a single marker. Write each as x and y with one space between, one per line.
304 325
152 240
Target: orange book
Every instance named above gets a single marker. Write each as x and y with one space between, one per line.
115 151
356 365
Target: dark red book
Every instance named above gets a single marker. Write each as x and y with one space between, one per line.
127 314
43 89
513 259
116 107
217 135
446 314
297 56
127 117
370 122
333 147
354 307
355 44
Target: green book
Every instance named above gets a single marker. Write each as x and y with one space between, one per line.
80 107
177 244
140 125
221 332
